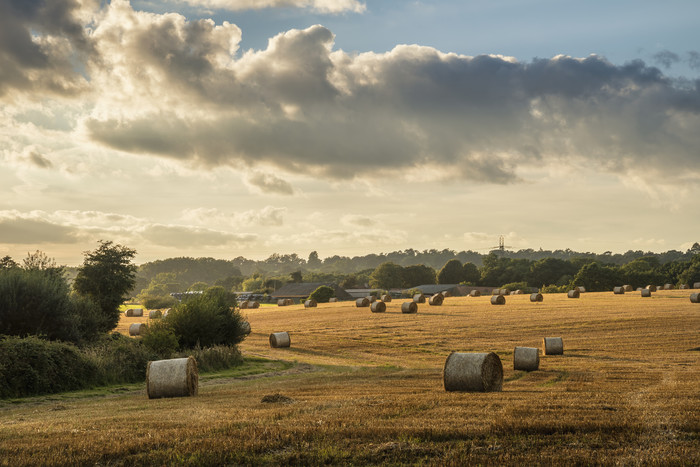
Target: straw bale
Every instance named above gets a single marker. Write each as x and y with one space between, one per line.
386 298
498 300
553 346
581 289
696 285
574 293
244 305
409 307
419 298
254 304
668 286
134 312
475 293
378 307
505 292
177 377
311 303
496 292
362 302
619 290
333 300
526 359
446 293
371 298
280 339
282 302
646 293
155 314
684 287
536 297
137 329
652 288
480 372
628 288
695 297
245 327
436 300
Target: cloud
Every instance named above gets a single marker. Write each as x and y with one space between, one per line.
39 42
319 6
694 60
31 228
269 216
355 220
39 160
269 183
301 107
180 236
666 58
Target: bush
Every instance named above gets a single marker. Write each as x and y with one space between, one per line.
160 339
206 320
154 302
517 286
37 302
120 359
555 289
216 358
322 294
32 366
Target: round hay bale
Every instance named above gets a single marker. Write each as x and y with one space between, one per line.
289 301
245 327
436 300
253 304
496 292
311 303
419 298
244 305
134 312
137 329
362 302
371 298
386 298
518 292
475 293
155 314
668 286
639 289
573 293
684 287
628 288
696 285
553 346
536 297
280 339
505 291
446 293
498 300
619 290
282 302
652 288
526 359
378 307
177 377
695 297
409 307
581 289
482 372
646 293
333 300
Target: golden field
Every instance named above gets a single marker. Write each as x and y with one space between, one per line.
361 388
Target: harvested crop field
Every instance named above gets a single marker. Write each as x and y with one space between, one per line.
357 387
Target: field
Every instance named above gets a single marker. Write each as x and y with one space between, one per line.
362 388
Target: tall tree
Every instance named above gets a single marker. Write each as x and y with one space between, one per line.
451 273
106 277
387 276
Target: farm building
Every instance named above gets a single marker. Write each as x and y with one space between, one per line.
298 290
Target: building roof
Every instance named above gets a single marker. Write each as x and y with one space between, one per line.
304 289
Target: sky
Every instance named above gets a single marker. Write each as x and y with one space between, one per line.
226 128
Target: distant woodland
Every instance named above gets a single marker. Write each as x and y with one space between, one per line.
534 268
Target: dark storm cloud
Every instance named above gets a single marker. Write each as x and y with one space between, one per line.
39 43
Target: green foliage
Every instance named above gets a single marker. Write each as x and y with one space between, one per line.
198 286
322 294
206 320
451 273
387 276
471 273
106 276
501 270
186 271
215 358
517 286
37 302
163 284
253 284
691 275
550 271
296 276
119 359
32 366
597 278
6 262
418 274
160 339
555 288
154 302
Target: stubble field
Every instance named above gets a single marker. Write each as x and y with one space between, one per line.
362 388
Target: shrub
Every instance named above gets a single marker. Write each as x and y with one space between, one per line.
160 339
216 358
120 359
555 289
32 366
154 302
206 320
517 286
322 294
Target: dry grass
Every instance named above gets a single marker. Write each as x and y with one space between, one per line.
367 389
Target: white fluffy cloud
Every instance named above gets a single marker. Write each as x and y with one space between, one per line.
320 6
